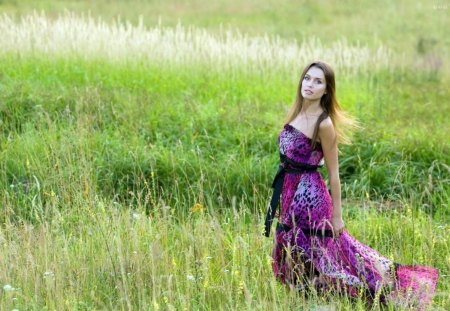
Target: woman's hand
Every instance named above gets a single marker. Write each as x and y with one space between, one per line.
338 226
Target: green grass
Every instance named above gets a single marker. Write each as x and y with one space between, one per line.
183 124
101 162
78 152
103 256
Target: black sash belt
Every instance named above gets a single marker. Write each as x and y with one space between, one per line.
308 232
277 185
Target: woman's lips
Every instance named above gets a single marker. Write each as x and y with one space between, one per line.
308 92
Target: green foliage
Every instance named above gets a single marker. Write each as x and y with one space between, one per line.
115 125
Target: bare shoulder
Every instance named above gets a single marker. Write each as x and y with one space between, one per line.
326 130
326 123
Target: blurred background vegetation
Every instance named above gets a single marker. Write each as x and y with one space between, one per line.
412 27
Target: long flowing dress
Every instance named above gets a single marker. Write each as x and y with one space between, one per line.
339 264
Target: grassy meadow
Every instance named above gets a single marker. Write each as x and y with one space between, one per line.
139 142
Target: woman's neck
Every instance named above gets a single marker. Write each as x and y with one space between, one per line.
311 108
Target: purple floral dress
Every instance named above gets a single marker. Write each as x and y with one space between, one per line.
343 264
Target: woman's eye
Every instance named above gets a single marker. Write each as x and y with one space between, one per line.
306 78
319 82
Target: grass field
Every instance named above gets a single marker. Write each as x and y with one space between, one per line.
136 158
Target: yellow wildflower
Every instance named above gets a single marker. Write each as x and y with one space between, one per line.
241 285
197 208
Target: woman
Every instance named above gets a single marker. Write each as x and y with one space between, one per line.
312 246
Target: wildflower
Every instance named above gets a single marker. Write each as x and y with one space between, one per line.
241 285
48 274
8 288
197 208
135 216
190 277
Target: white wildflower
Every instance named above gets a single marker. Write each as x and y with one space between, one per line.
135 216
8 288
48 274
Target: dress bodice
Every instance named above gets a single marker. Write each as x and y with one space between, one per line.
297 146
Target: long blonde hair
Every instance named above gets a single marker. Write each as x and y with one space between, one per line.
343 122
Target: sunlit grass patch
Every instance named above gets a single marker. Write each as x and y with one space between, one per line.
71 35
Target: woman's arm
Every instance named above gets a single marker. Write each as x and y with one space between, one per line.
327 135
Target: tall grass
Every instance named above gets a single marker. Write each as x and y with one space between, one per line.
100 255
104 155
82 36
415 30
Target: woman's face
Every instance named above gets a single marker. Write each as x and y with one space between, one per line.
313 84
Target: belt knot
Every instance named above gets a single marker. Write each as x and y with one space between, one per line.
277 185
